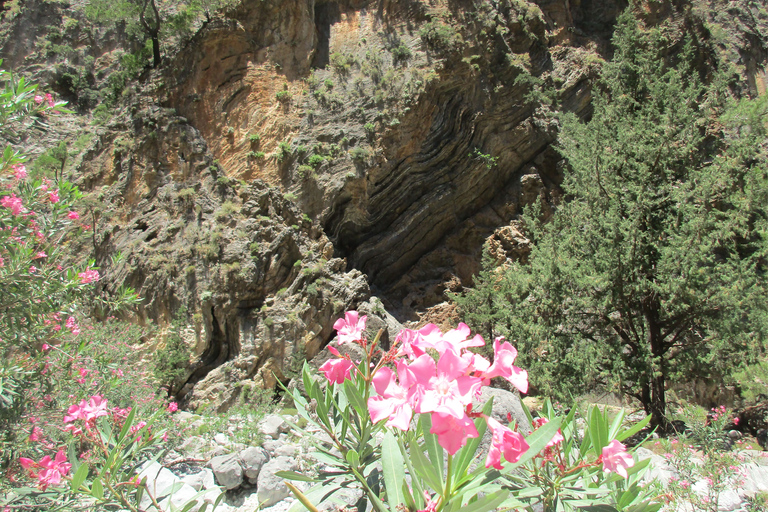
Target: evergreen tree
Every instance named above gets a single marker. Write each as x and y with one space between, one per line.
652 269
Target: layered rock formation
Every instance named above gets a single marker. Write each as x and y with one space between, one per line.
296 154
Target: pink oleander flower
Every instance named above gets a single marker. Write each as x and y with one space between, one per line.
13 203
51 470
337 370
46 347
140 425
19 171
350 328
173 407
40 254
505 442
36 434
73 215
616 459
75 329
504 355
32 269
395 400
558 437
2 262
736 421
430 505
88 411
49 99
445 387
54 196
38 99
89 276
452 433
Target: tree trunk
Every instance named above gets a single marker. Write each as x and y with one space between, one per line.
155 51
654 392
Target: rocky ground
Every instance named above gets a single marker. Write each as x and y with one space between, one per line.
203 467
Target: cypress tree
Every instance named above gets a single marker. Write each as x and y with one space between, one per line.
651 271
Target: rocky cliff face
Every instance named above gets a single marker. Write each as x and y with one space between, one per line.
296 154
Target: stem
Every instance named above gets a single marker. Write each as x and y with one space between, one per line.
448 490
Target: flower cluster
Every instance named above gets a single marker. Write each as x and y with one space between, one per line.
445 388
50 470
436 373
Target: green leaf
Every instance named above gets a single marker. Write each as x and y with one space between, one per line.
598 430
353 458
317 494
292 475
425 469
634 429
616 425
487 502
434 449
97 490
79 477
393 470
355 398
127 425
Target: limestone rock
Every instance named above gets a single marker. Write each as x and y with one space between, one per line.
227 470
204 479
273 425
252 460
271 488
167 489
506 404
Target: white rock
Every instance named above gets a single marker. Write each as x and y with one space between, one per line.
286 450
221 439
202 480
227 470
168 489
728 500
755 479
273 425
252 460
271 488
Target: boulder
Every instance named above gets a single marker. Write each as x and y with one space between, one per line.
270 487
252 460
227 470
168 489
273 425
506 406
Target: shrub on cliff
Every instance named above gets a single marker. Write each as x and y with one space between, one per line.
652 270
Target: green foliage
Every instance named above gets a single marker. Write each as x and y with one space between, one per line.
283 96
439 36
171 360
256 155
50 164
359 154
489 161
254 138
401 53
305 171
369 128
341 63
753 381
226 211
283 150
651 270
315 161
